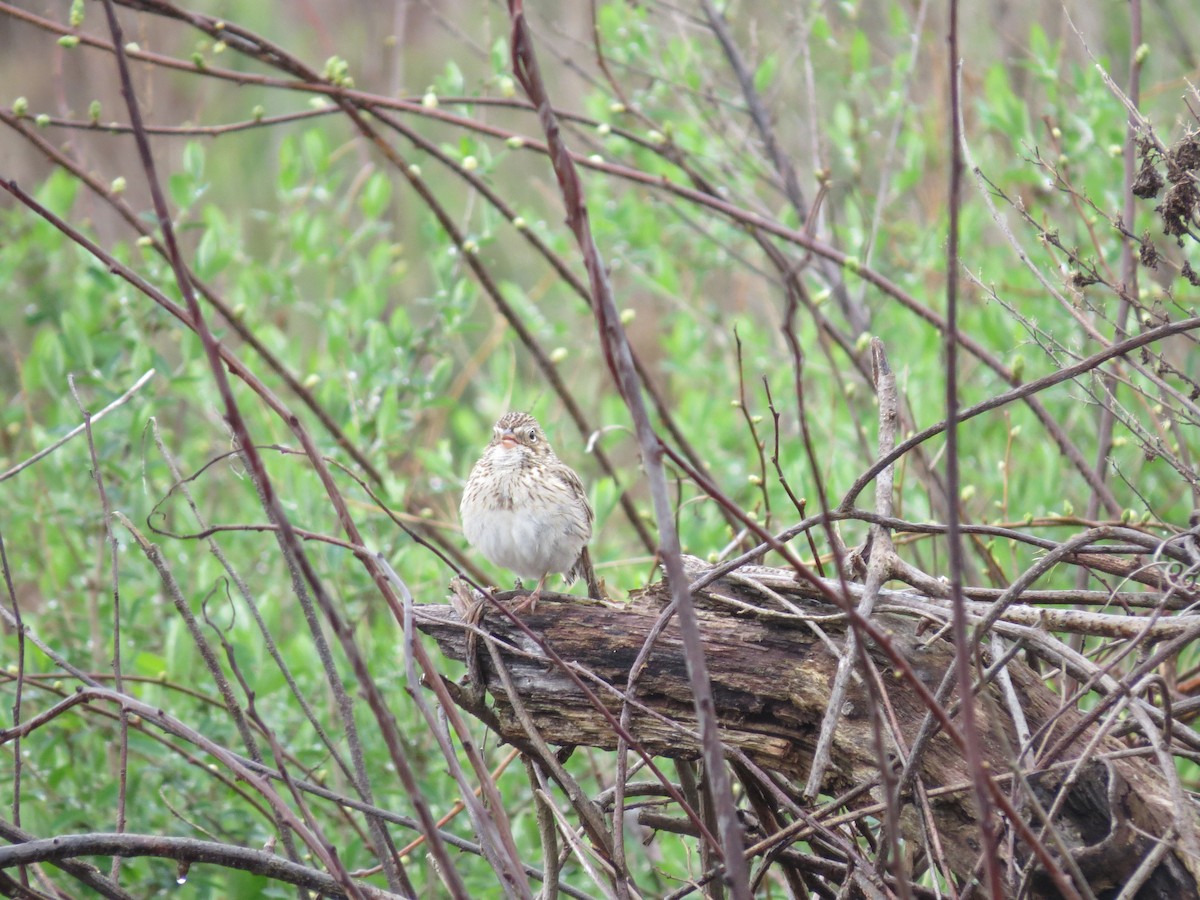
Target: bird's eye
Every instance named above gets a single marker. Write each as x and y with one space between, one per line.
533 435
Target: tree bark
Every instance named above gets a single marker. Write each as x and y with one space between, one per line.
771 672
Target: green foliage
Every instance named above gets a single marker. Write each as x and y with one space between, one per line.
354 290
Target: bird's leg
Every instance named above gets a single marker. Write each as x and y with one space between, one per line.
530 602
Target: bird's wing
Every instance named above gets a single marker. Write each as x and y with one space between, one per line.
571 480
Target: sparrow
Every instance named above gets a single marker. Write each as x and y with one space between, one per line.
526 510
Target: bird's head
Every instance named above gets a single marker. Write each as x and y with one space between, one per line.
518 434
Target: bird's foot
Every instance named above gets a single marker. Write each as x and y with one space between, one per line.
530 602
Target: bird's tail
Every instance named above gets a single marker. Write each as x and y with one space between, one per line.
583 568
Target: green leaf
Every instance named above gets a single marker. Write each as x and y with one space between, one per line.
1039 44
764 78
1001 108
500 55
57 193
288 175
820 28
316 150
151 665
179 188
375 195
215 250
193 160
46 366
860 52
452 80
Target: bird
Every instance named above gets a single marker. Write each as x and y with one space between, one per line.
525 510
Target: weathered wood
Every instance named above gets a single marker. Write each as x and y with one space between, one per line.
771 675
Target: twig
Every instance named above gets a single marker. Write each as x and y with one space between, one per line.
79 429
878 571
1024 391
185 850
578 848
115 579
495 838
752 427
989 837
1162 846
85 873
855 311
356 776
326 852
617 354
547 833
18 691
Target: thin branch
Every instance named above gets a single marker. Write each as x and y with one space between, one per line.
115 581
1026 390
66 847
989 836
80 428
620 362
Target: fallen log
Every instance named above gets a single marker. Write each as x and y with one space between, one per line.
772 650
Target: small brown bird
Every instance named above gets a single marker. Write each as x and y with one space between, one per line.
525 509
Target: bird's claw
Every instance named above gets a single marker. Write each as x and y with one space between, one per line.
528 604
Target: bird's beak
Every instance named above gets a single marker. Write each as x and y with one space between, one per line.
508 440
